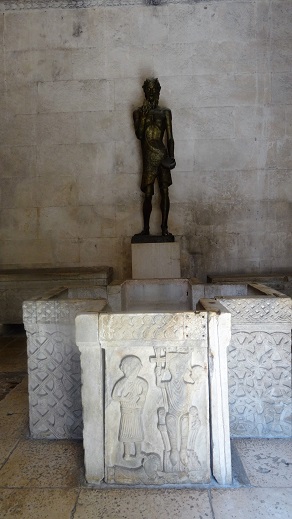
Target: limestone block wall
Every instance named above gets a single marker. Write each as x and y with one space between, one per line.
70 76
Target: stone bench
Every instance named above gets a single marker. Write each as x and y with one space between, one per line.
21 285
278 282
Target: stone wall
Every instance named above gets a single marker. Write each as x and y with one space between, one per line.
69 159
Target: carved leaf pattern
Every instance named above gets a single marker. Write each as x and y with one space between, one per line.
259 365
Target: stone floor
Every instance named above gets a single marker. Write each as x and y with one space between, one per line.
45 479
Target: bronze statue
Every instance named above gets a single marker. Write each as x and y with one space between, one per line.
151 123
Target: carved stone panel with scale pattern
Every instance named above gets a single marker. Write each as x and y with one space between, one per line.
55 408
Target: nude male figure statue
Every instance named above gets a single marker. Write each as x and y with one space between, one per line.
152 123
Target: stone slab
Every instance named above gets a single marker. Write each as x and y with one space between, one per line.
34 503
92 373
259 365
156 294
279 282
143 503
156 391
240 503
155 260
43 465
156 397
219 335
19 285
149 238
267 463
55 409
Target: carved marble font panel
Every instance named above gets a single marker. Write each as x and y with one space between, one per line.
259 366
260 384
156 419
55 409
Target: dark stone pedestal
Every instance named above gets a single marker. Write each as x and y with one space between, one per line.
144 238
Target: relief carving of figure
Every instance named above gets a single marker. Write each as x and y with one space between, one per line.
178 422
131 391
147 473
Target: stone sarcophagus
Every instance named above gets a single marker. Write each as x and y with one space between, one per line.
152 426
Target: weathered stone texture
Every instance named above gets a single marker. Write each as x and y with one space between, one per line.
69 80
55 410
259 366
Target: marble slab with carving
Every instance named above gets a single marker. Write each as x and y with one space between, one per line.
54 379
156 407
154 389
19 285
259 365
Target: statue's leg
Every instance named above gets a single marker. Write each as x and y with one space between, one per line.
164 206
147 209
184 424
127 451
138 449
171 424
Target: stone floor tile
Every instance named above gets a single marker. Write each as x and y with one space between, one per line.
16 401
13 358
7 445
12 424
12 427
23 386
143 504
43 464
16 365
37 503
255 503
268 463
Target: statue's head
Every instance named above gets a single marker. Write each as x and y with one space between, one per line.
151 87
130 365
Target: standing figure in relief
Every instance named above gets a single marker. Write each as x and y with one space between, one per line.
174 380
131 391
152 123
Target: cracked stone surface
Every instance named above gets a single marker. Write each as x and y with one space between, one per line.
268 463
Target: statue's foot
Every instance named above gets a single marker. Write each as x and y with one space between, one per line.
184 456
165 232
174 457
145 232
127 457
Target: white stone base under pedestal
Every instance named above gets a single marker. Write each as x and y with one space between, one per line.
155 260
